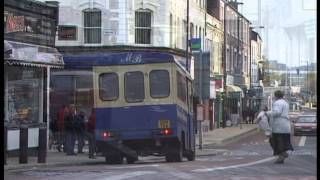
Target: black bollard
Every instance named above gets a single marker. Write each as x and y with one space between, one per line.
5 144
23 149
42 150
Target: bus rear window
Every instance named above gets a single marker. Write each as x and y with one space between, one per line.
159 83
109 86
134 87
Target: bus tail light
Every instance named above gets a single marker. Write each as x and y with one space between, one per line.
107 134
166 132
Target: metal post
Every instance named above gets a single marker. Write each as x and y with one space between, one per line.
23 148
48 104
187 39
224 65
42 151
200 98
5 143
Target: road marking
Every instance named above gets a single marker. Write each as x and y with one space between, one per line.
235 166
128 175
302 141
137 166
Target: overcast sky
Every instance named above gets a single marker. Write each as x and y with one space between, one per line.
276 15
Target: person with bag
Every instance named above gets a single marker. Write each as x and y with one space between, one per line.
280 127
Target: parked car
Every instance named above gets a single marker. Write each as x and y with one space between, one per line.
305 125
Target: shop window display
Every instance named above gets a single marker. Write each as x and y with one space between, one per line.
24 95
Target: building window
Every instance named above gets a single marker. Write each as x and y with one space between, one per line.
71 87
196 35
92 26
191 30
143 27
134 87
171 30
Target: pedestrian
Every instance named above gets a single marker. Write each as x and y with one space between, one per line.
280 127
69 123
80 130
53 133
91 126
63 112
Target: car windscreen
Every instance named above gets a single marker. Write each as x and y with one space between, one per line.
307 119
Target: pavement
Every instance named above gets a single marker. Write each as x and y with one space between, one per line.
210 146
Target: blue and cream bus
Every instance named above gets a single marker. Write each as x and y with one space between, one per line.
143 104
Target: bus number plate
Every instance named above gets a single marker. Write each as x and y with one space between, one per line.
164 124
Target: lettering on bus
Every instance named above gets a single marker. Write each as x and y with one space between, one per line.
132 59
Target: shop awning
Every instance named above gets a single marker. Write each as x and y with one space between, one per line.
16 53
233 89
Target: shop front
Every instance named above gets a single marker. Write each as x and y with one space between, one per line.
26 75
234 99
29 55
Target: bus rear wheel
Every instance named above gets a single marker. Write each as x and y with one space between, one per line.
191 156
114 159
130 160
175 154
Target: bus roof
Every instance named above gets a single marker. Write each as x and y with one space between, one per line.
87 61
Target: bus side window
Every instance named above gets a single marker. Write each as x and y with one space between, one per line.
109 86
190 92
182 87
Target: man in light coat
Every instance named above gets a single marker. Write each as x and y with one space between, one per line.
281 127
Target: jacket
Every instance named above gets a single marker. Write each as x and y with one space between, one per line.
91 124
279 117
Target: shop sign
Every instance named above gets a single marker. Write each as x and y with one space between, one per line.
15 23
67 33
195 44
27 27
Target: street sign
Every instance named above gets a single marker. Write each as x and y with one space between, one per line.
195 44
202 74
200 112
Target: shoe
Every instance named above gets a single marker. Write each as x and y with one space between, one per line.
285 154
280 160
80 152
